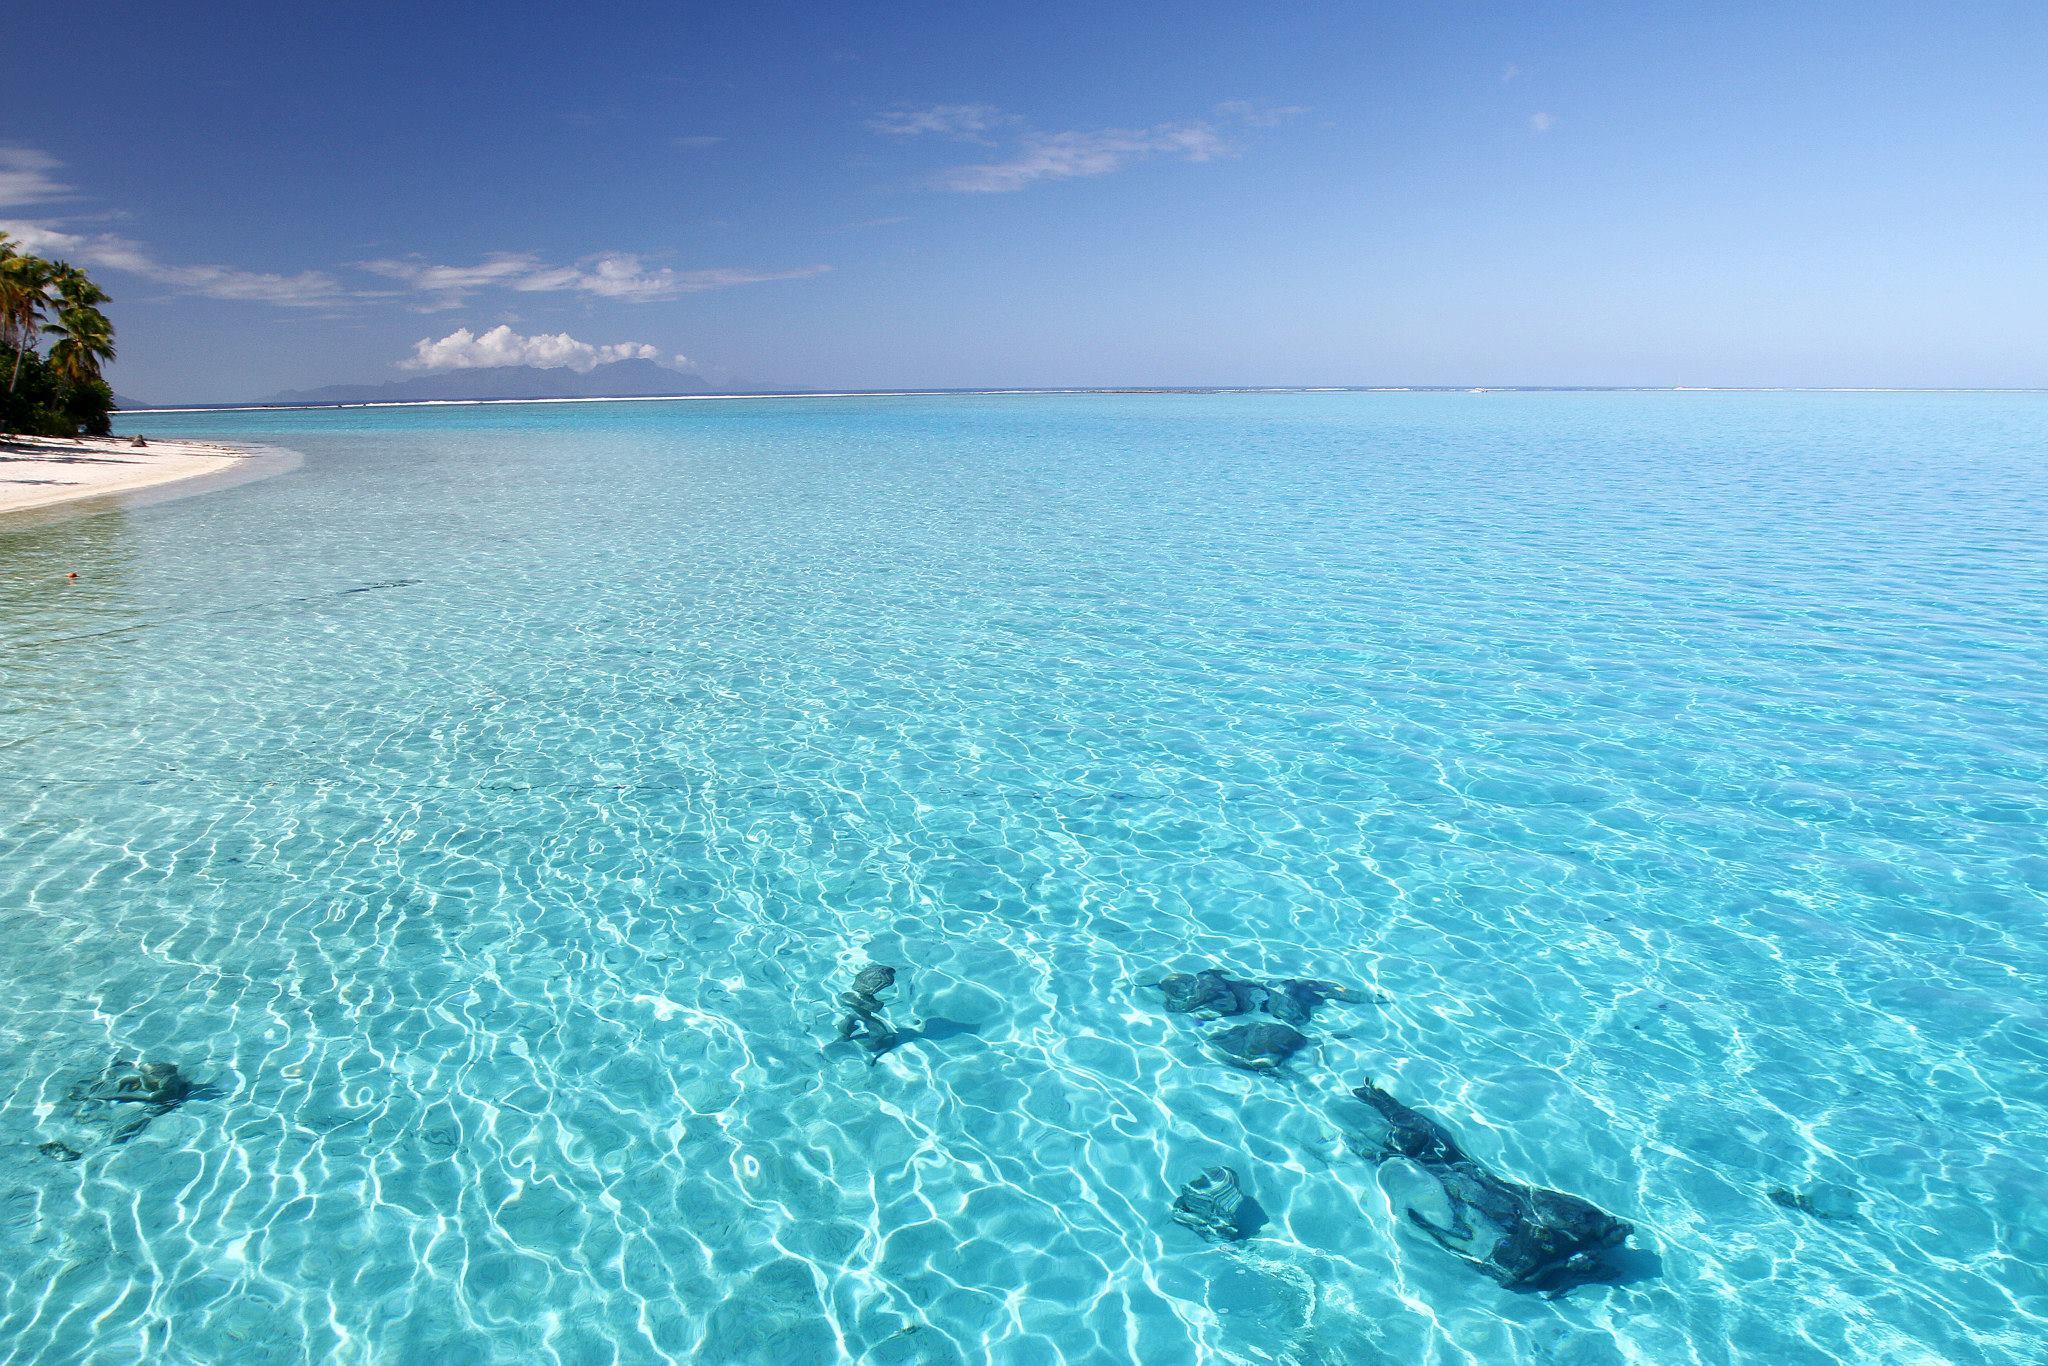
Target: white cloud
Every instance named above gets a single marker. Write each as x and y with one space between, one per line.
611 275
465 350
952 120
25 177
1260 115
107 252
617 275
1542 123
887 221
492 270
1035 156
1064 156
450 286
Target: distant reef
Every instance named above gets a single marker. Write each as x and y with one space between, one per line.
620 379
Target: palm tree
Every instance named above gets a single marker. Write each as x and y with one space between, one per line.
85 338
74 288
82 341
12 282
23 280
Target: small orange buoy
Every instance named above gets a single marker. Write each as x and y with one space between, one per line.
72 575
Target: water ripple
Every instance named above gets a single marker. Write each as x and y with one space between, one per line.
1662 773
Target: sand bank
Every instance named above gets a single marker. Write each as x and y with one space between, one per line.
41 471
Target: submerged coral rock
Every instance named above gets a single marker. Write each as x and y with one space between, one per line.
1207 991
127 1096
1215 1206
159 1086
874 979
863 1022
1296 1000
873 1034
1833 1204
1524 1237
63 1152
1213 992
1259 1046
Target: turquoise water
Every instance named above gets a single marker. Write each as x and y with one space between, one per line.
1663 772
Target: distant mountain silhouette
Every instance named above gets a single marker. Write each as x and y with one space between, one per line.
123 401
620 379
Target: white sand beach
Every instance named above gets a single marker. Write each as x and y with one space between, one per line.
41 471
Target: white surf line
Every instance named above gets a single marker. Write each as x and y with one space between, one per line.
1156 391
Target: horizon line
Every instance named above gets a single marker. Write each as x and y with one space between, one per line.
1108 390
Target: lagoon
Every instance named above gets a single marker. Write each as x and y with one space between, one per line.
489 812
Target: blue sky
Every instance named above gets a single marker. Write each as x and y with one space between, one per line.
873 195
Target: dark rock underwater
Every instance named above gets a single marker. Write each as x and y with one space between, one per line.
1525 1237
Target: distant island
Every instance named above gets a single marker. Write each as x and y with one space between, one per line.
619 379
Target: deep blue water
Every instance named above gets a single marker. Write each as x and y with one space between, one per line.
1664 773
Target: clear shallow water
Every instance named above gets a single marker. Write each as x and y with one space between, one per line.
1671 765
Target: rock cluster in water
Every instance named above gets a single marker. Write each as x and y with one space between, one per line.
1215 1206
863 1022
120 1102
1830 1204
1211 992
1524 1237
1256 1045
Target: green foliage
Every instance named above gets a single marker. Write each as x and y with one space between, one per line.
63 393
45 402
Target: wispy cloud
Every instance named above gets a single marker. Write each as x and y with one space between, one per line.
1065 156
1542 123
25 177
608 275
1033 156
619 275
1257 115
108 252
466 350
889 220
455 283
1509 74
949 120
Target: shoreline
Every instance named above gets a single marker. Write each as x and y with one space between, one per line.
40 473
